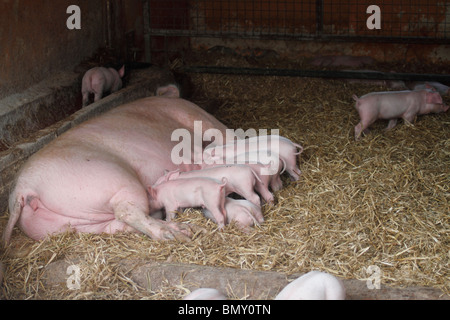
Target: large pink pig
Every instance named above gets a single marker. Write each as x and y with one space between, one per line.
241 180
192 192
94 177
100 80
392 105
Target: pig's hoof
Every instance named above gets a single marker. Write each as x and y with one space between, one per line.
176 235
183 232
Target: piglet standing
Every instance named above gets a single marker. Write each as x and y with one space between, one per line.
194 192
100 80
241 179
314 285
392 105
205 294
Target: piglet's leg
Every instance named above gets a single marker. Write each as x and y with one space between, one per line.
392 124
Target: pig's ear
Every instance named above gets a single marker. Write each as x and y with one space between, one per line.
434 97
122 71
173 174
430 87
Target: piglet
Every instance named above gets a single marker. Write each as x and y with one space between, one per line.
392 105
194 192
264 147
241 179
314 285
271 180
205 294
100 80
439 87
243 212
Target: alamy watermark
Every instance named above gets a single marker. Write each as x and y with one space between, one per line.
374 279
74 280
74 20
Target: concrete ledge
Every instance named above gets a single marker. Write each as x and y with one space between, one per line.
244 284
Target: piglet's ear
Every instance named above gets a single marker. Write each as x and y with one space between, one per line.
122 71
434 98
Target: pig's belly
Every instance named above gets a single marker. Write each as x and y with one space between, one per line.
38 223
74 192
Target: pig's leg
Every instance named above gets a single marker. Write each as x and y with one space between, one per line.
98 86
171 211
264 192
392 124
218 215
98 96
361 128
409 118
85 98
294 173
275 183
250 196
131 206
358 130
216 206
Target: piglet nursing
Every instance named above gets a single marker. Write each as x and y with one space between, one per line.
194 192
395 104
241 179
262 146
314 285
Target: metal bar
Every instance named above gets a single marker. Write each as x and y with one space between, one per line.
319 73
296 37
147 32
319 17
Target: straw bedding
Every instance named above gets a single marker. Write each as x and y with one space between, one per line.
383 201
